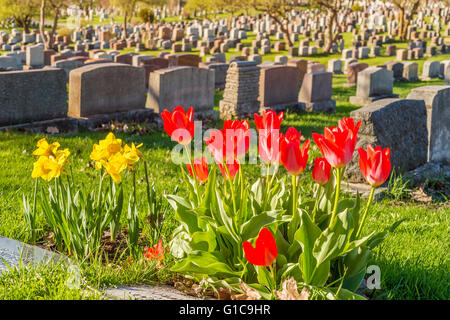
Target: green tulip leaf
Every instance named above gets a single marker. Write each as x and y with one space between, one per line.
265 278
202 262
205 241
307 235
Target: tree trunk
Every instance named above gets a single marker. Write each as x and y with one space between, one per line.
42 22
329 35
124 33
284 30
229 20
26 24
49 42
401 17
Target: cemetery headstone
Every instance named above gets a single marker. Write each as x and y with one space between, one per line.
398 124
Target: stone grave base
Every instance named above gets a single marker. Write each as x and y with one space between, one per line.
90 123
319 106
26 67
363 189
429 171
427 78
349 85
362 101
230 110
280 107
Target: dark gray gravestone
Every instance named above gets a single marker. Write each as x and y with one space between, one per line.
398 124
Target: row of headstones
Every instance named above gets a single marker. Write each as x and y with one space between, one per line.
156 70
111 87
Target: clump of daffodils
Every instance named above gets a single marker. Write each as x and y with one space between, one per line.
51 161
110 155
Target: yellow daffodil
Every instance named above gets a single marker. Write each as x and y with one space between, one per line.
51 160
47 168
45 149
115 165
132 154
105 149
61 156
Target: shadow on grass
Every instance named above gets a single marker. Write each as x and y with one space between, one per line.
408 279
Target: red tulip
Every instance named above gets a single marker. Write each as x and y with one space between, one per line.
237 137
269 146
375 164
321 171
231 142
179 125
265 251
338 144
349 125
233 168
269 135
269 120
156 252
201 169
293 157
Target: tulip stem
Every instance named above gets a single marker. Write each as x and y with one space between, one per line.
316 204
194 174
134 187
273 271
33 219
372 191
336 198
241 180
148 187
269 184
231 186
100 188
294 195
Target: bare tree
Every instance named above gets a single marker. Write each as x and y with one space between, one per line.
51 8
332 9
406 10
277 10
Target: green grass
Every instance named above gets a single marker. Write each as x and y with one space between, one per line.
414 260
42 282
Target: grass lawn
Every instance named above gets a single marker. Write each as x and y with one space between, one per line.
414 261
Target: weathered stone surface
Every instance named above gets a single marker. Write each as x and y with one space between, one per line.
431 171
161 292
240 97
301 65
184 59
15 252
278 87
437 101
35 55
447 74
68 65
181 86
126 58
32 96
410 71
220 72
398 124
431 69
9 63
153 64
335 66
315 93
397 68
353 70
106 88
373 84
